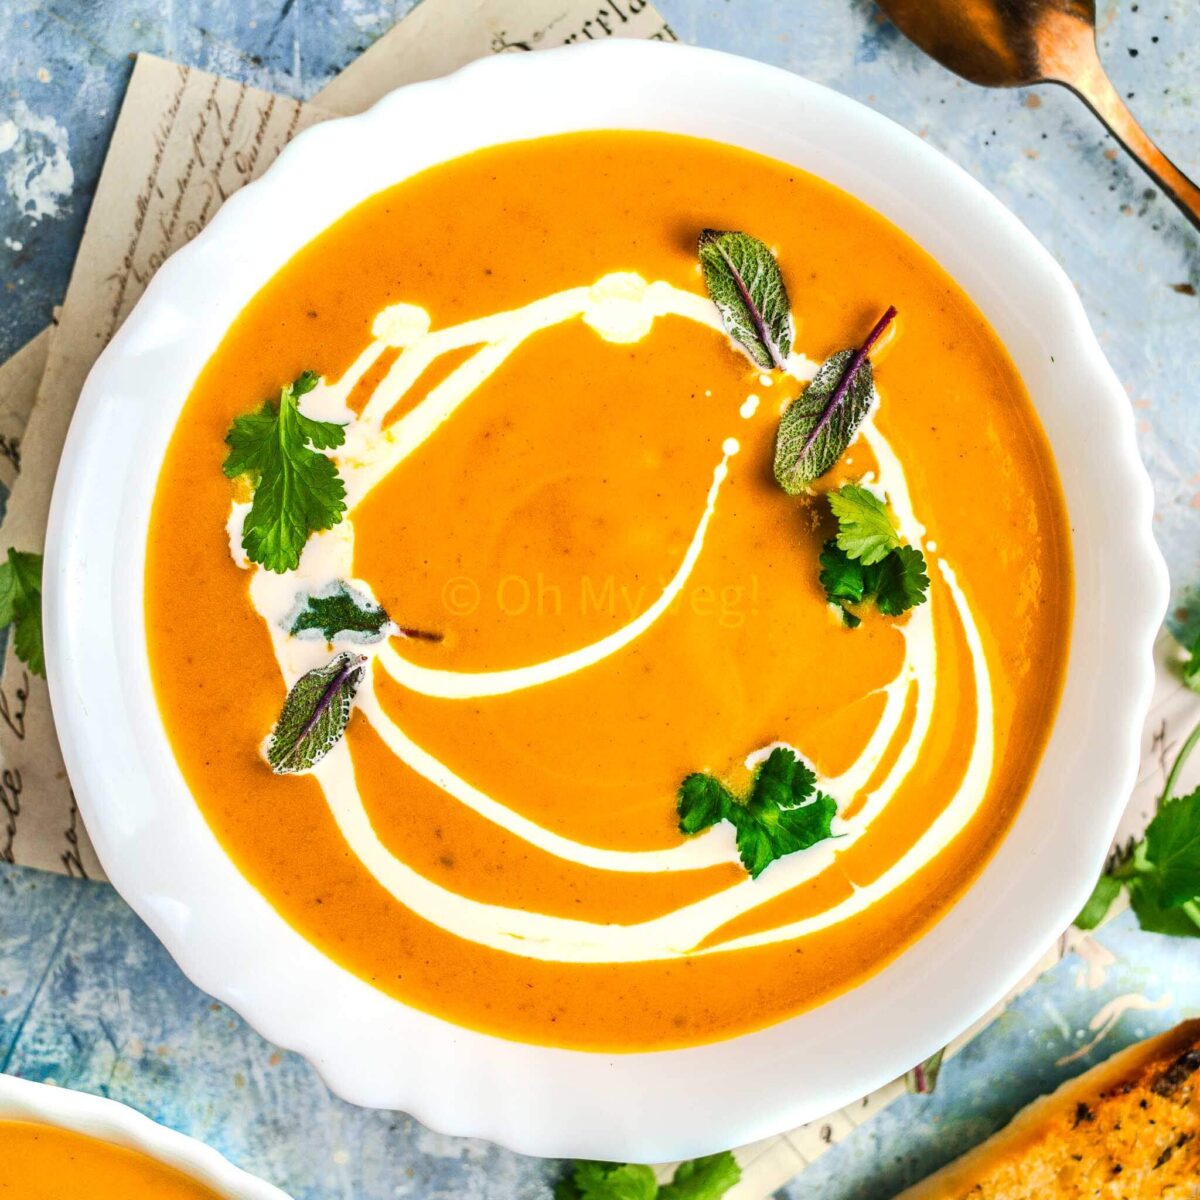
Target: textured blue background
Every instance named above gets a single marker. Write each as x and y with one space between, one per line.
88 998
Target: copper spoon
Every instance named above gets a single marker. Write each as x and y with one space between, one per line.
1013 43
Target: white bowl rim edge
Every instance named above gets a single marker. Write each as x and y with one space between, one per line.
537 1100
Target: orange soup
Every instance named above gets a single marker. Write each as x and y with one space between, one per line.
570 613
44 1162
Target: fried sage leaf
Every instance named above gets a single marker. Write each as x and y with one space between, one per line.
821 422
339 611
747 287
315 714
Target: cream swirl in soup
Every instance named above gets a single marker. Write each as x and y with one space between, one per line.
557 461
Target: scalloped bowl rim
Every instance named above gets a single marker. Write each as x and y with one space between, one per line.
375 1051
111 1121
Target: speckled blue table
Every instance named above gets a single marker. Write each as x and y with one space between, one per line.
88 997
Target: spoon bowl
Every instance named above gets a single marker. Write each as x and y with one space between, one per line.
1016 43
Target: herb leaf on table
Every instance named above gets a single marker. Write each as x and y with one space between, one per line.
1162 871
745 283
297 488
706 1178
821 422
21 607
782 813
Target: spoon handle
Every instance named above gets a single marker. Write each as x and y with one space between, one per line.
1092 84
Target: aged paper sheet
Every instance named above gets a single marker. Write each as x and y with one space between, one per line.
20 378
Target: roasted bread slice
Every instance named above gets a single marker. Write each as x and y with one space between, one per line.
1128 1129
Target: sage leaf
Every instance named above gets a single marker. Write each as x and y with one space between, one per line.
339 612
804 447
821 422
745 283
315 714
922 1079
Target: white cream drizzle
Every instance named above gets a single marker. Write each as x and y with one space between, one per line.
620 308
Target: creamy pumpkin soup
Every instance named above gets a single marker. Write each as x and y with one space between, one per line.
610 591
44 1162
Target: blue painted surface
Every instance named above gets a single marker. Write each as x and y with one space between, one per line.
88 997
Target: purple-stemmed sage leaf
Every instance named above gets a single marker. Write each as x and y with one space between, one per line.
922 1079
821 422
315 714
746 285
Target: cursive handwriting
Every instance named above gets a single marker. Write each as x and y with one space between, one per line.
13 712
71 858
10 802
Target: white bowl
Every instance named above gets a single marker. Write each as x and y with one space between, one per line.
165 861
22 1100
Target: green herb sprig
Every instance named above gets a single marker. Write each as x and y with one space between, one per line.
868 560
706 1178
783 812
21 607
297 488
1161 872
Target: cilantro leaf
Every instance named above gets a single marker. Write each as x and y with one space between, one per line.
783 812
297 489
899 581
339 611
21 606
1173 849
867 560
703 801
865 530
315 715
706 1178
841 577
745 283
